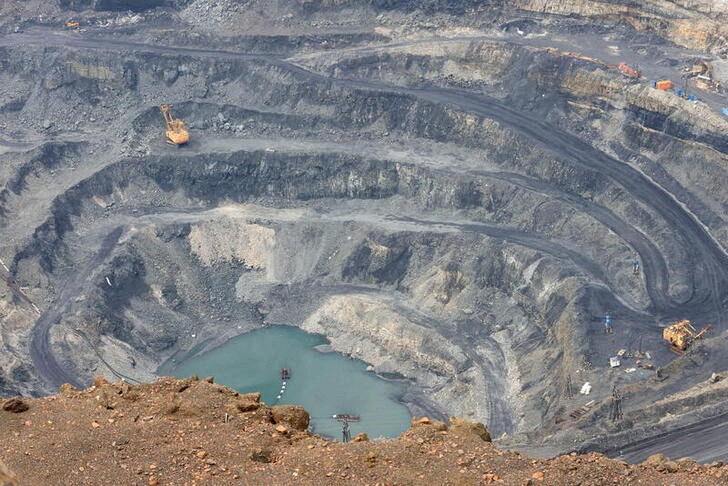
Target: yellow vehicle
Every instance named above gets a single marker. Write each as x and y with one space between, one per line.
681 335
176 132
72 24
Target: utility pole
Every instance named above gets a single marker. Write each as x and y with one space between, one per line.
615 413
569 387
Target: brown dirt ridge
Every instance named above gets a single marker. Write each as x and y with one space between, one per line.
194 432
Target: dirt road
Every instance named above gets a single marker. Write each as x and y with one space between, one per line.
703 441
40 347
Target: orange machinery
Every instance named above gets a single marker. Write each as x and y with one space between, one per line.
176 132
625 69
681 335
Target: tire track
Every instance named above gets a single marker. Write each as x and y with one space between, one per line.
41 352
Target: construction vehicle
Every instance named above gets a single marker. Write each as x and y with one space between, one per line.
681 335
625 69
176 132
701 68
664 85
702 75
72 24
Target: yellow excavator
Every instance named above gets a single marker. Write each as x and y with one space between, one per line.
176 132
681 335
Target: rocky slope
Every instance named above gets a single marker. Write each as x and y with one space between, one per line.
198 432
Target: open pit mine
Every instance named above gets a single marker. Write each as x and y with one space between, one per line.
504 209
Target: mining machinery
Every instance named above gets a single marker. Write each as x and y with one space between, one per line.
702 68
176 132
681 335
627 70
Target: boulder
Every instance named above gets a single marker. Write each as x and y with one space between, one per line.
264 455
428 424
247 406
477 428
15 405
292 415
100 381
671 466
67 389
251 397
655 460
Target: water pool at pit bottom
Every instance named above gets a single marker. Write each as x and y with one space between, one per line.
323 383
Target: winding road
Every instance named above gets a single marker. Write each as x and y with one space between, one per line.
40 347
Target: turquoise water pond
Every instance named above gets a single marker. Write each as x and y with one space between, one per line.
323 383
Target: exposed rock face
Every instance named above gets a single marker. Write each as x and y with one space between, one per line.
222 241
698 25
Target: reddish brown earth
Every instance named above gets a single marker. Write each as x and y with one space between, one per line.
197 432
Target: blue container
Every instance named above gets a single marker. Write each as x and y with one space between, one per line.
725 111
653 83
691 97
679 92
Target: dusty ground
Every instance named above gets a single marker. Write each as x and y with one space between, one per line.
175 432
453 194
